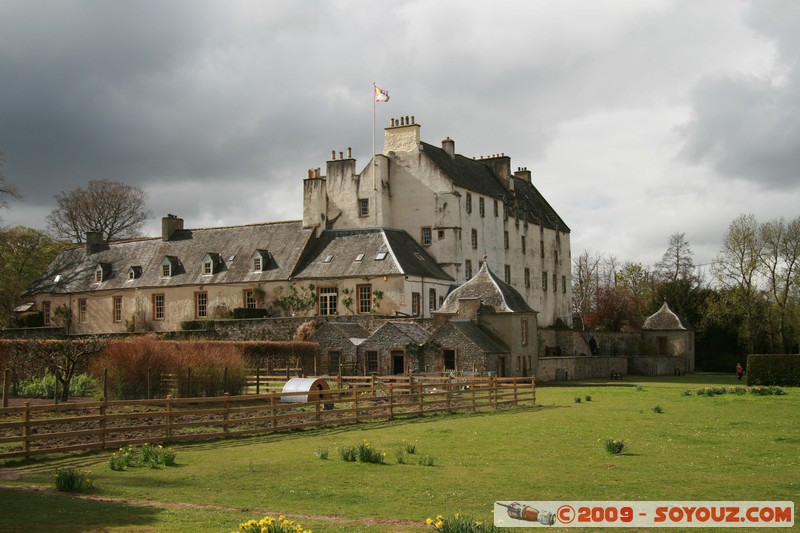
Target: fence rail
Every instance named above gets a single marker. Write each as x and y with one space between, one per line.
29 430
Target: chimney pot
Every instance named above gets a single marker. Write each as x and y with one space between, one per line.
341 155
333 154
349 153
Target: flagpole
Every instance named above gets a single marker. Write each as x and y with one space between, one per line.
374 187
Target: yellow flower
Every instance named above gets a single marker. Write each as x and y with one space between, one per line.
438 524
429 521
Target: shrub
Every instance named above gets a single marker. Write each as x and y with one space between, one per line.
72 480
321 453
614 446
400 456
577 399
639 388
45 387
773 370
461 524
687 392
367 454
146 455
588 398
348 453
426 460
411 448
247 312
269 524
657 409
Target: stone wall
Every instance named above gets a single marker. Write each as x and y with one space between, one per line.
579 367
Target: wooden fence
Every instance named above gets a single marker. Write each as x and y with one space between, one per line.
29 430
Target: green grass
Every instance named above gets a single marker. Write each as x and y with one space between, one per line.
728 447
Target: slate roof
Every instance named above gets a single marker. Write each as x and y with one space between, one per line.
409 330
341 249
495 295
465 172
485 340
475 176
351 331
74 269
663 319
538 210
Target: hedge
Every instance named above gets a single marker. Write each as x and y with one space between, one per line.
246 312
778 369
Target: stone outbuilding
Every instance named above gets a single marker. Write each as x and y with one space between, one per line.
665 331
394 348
339 342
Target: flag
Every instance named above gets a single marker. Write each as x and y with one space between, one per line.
381 95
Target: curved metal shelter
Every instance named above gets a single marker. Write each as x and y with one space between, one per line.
308 389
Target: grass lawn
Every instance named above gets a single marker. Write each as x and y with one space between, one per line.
728 447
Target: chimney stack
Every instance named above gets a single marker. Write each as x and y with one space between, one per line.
449 147
169 225
523 173
94 240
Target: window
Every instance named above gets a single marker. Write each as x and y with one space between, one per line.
427 236
496 212
544 281
82 310
134 272
363 207
467 269
507 271
475 239
260 260
432 299
381 256
98 274
328 298
481 207
201 305
441 234
524 331
364 293
505 240
334 358
469 203
522 243
360 257
117 309
46 313
415 304
257 264
249 299
541 249
555 282
564 284
372 362
158 307
208 267
527 277
555 257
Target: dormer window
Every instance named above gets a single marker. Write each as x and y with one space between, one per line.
169 266
102 272
212 263
134 272
260 260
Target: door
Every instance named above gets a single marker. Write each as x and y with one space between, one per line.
398 362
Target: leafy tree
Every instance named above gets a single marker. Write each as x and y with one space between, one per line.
24 255
115 209
736 269
779 264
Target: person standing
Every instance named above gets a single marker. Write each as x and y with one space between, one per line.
739 371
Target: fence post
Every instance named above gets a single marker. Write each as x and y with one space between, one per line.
55 392
258 380
225 416
372 384
355 402
6 383
26 428
420 399
449 391
148 393
188 382
105 383
533 387
317 407
494 391
391 400
472 389
225 380
515 390
169 416
103 423
273 402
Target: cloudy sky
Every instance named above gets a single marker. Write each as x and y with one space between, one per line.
639 119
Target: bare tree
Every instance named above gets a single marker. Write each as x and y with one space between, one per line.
115 209
64 358
8 191
676 264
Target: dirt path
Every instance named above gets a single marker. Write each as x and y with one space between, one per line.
401 525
